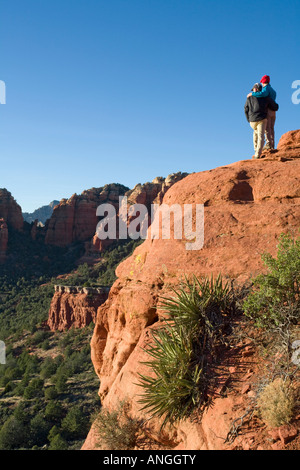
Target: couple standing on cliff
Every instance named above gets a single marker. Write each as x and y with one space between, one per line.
260 111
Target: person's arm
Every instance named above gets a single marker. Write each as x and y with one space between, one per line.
261 94
246 109
272 104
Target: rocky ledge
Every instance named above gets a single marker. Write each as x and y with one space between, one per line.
247 205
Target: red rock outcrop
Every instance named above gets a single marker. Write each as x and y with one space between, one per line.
146 194
289 145
3 240
149 193
10 218
75 219
10 211
247 205
74 307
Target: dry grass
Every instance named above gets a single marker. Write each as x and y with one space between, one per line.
276 403
116 429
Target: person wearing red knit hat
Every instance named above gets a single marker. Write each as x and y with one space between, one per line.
256 112
268 91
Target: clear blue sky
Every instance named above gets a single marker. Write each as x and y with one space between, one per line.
102 91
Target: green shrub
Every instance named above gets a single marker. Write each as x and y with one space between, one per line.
9 387
58 443
21 414
182 349
74 424
274 301
49 368
54 411
39 430
116 429
13 434
50 393
34 389
53 432
39 337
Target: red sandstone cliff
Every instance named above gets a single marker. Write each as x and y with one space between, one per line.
75 219
3 240
10 211
248 204
10 218
74 307
146 194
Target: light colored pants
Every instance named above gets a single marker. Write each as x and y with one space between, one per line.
259 129
270 131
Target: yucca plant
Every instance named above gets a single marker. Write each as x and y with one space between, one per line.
182 348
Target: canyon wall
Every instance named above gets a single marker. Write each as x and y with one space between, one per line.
75 219
10 211
10 218
3 240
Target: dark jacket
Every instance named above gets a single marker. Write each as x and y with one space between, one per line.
256 109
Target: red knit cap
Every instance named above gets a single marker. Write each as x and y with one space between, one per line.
265 79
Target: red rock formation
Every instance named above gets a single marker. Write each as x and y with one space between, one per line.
3 240
248 205
146 194
10 218
10 211
74 307
75 219
289 145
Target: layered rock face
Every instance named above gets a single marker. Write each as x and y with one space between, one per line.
247 205
75 219
153 192
10 218
145 194
289 146
74 306
3 240
10 211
